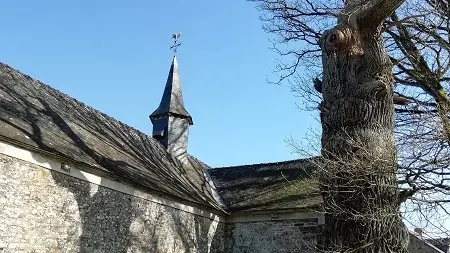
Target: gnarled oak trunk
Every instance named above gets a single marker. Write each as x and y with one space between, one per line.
358 181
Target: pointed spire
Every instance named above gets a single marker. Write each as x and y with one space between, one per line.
172 99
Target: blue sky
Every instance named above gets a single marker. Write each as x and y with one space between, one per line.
114 56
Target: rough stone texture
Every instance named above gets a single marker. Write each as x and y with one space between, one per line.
271 236
46 211
296 236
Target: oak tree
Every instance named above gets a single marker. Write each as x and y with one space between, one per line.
417 40
358 179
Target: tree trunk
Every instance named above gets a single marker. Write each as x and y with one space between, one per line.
358 180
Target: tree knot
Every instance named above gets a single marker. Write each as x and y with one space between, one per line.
343 39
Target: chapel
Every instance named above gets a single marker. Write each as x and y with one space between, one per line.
73 179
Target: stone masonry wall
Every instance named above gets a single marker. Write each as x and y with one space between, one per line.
283 236
46 211
289 236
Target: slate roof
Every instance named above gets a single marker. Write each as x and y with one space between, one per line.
417 243
39 117
441 243
283 185
172 99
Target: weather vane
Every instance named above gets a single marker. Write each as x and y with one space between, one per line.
176 44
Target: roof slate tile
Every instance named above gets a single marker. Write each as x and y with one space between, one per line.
35 115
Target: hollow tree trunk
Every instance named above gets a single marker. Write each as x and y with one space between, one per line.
358 180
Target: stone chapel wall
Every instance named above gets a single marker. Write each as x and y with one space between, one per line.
289 236
42 210
283 236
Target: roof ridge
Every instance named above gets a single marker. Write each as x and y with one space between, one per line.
263 164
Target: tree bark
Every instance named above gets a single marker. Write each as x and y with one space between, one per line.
358 180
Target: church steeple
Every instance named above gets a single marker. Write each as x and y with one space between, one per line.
172 99
170 120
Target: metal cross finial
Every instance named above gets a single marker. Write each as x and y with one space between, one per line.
176 44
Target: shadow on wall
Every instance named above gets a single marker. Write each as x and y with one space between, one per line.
206 235
36 114
105 215
163 229
110 221
115 222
